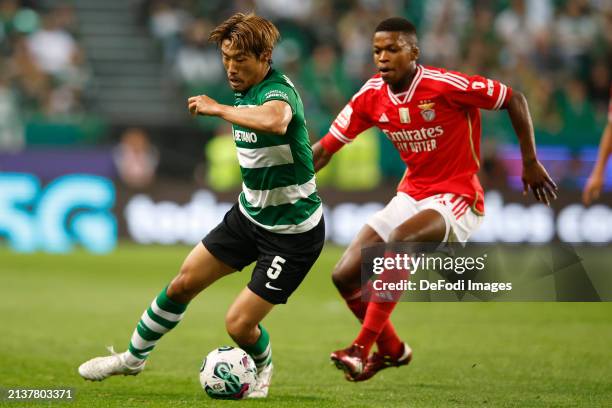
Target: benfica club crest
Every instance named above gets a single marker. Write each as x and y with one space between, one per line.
427 111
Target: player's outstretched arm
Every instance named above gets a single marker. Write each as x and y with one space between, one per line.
595 182
535 176
320 156
271 117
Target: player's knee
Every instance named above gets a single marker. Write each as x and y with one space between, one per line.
343 278
339 281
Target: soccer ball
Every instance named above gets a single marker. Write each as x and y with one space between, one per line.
228 373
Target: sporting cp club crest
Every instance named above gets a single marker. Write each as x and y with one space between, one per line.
427 111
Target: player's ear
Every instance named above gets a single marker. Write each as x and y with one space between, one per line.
415 52
266 56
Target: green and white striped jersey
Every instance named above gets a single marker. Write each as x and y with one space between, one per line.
279 192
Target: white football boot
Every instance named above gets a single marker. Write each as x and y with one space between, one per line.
264 378
100 368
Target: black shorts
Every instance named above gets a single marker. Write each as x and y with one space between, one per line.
283 260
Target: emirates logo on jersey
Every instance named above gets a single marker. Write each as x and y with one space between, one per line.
415 140
427 111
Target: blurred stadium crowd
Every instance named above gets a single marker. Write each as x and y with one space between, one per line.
558 52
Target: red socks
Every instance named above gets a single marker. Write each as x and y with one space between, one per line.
386 339
374 315
388 342
353 301
376 319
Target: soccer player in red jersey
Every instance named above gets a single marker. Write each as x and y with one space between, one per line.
432 117
595 182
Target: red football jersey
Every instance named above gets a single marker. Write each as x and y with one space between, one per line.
434 125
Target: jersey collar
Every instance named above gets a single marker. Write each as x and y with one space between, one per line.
243 93
405 97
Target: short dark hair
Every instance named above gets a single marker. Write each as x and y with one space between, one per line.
397 24
247 32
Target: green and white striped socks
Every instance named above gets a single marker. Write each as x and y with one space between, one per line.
161 317
261 351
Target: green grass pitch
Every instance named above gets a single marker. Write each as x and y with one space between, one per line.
57 311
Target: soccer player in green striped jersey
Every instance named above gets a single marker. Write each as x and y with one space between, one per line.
277 222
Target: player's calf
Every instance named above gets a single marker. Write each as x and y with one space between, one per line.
240 329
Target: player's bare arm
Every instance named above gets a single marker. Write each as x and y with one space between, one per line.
594 184
271 117
320 156
535 176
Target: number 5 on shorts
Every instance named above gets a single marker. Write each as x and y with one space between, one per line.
276 268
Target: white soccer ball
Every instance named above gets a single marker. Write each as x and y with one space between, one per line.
228 373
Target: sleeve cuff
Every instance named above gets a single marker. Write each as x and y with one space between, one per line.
509 92
278 98
330 143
